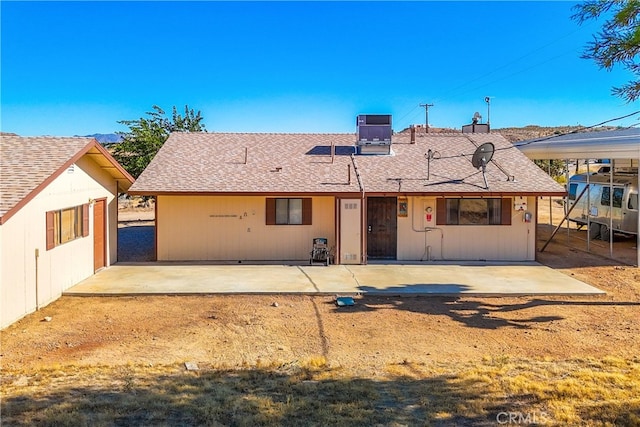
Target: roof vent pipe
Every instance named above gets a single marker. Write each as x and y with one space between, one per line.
413 134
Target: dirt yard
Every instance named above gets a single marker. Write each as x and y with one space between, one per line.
242 331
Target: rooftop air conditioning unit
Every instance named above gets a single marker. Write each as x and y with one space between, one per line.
373 129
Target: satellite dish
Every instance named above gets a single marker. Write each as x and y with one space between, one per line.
481 157
477 115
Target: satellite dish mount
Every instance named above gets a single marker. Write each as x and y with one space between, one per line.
481 157
429 156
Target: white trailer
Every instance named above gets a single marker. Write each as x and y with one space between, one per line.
609 203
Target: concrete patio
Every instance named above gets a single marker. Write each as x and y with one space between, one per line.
487 279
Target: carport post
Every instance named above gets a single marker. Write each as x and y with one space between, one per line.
550 199
566 197
588 208
611 167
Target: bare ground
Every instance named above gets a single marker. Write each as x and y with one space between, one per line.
241 331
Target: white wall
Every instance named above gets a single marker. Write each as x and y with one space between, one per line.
515 242
232 228
63 266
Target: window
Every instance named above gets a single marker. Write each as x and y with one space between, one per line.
633 201
573 190
473 211
66 225
288 212
605 199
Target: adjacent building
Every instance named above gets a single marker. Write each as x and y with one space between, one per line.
58 217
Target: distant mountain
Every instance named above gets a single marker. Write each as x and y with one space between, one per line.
106 138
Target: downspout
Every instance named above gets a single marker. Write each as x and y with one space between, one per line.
363 219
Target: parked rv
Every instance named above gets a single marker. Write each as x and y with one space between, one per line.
606 205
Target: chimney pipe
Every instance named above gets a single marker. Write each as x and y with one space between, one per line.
413 134
349 174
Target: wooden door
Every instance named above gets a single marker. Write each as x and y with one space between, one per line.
99 227
382 236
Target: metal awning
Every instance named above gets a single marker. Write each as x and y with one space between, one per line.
622 144
616 144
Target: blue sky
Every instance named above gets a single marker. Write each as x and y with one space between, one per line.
77 68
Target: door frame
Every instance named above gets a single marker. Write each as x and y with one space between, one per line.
366 227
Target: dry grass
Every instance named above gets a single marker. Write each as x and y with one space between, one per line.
550 392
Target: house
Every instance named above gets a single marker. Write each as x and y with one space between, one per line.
241 197
58 217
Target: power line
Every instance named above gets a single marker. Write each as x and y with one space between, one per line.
551 136
577 130
403 117
447 94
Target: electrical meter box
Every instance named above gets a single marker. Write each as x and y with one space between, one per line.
520 204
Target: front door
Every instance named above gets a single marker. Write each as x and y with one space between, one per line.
98 235
382 234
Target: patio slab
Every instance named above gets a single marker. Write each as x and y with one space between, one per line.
385 279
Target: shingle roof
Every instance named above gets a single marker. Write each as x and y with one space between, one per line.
28 163
301 163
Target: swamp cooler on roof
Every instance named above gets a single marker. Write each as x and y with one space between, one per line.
373 129
373 133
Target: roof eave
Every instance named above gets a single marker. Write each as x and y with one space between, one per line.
353 193
124 179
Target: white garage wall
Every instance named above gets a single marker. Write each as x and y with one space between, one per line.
63 266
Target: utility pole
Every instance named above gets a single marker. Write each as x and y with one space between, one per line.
426 116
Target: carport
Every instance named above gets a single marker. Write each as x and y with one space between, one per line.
622 146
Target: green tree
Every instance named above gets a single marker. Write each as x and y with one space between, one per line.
147 134
619 40
555 168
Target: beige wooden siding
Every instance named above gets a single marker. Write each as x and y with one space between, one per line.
63 266
515 242
233 228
